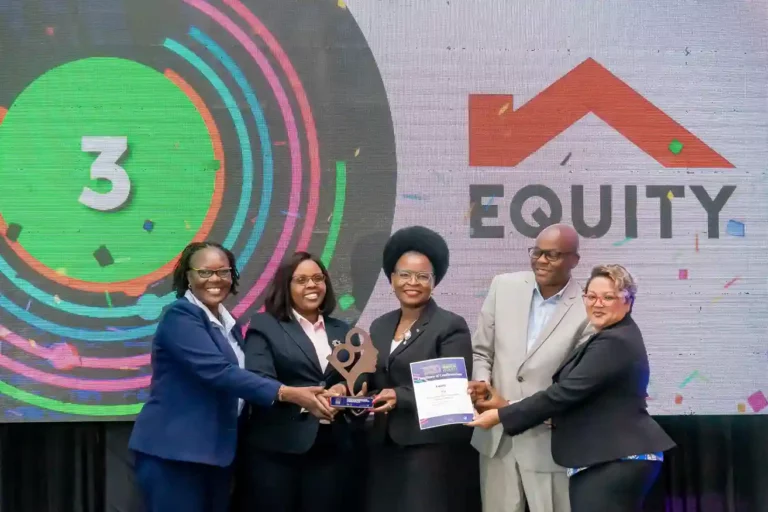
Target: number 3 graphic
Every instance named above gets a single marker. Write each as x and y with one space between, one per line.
105 167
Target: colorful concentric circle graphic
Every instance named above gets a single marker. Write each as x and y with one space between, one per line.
128 131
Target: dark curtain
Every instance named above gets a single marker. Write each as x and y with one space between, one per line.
720 465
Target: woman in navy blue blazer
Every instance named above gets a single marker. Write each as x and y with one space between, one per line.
293 461
185 436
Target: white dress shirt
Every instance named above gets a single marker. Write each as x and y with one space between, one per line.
541 311
226 331
317 335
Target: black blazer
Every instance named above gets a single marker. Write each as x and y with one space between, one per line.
282 351
597 402
437 333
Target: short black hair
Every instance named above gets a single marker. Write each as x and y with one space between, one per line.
180 280
278 302
421 240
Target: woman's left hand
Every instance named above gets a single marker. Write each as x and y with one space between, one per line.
385 401
339 389
486 420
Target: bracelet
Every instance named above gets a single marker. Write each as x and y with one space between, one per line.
280 393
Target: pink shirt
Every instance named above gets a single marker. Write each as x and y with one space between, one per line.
317 335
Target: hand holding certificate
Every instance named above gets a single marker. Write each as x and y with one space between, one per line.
440 388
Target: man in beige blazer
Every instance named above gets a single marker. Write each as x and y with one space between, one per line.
529 323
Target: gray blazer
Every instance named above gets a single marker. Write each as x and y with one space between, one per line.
501 357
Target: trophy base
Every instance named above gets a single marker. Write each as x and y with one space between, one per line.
352 402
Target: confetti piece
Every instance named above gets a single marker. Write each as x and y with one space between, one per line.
13 232
149 226
489 203
670 195
757 401
741 407
56 299
622 242
689 378
696 242
469 212
357 152
289 214
565 161
4 332
32 343
280 143
678 399
103 256
733 228
61 271
346 301
717 299
114 329
676 147
123 260
29 303
109 299
682 274
729 283
50 31
503 108
416 197
186 224
341 4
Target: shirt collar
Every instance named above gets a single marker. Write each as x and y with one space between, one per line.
320 324
228 320
556 297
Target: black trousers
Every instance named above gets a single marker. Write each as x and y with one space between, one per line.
619 486
284 482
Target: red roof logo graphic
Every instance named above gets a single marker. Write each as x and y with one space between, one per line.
502 137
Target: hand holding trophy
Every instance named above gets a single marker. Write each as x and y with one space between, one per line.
351 370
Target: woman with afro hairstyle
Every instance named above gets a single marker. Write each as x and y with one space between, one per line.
412 470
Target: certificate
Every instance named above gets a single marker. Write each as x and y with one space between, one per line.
440 387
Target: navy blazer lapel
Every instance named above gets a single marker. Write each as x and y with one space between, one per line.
298 335
335 332
416 329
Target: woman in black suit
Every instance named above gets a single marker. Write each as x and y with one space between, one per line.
602 432
413 470
289 458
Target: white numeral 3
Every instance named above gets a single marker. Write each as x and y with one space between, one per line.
105 167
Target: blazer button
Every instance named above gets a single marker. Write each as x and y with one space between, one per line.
520 379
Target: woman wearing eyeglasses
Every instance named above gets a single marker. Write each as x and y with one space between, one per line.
185 437
292 461
601 430
413 470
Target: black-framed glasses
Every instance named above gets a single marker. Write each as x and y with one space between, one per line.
536 253
206 273
424 278
302 280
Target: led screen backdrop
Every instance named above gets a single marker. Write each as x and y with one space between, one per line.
130 128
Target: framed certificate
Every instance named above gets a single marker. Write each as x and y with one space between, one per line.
440 387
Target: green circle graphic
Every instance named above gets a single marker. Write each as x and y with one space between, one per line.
43 169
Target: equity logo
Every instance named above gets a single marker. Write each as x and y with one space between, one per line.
500 136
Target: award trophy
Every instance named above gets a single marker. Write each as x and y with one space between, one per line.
352 369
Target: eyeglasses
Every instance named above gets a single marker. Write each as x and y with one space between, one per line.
590 299
535 253
206 273
407 276
303 280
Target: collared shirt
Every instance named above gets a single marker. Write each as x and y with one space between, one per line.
226 331
541 312
317 335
